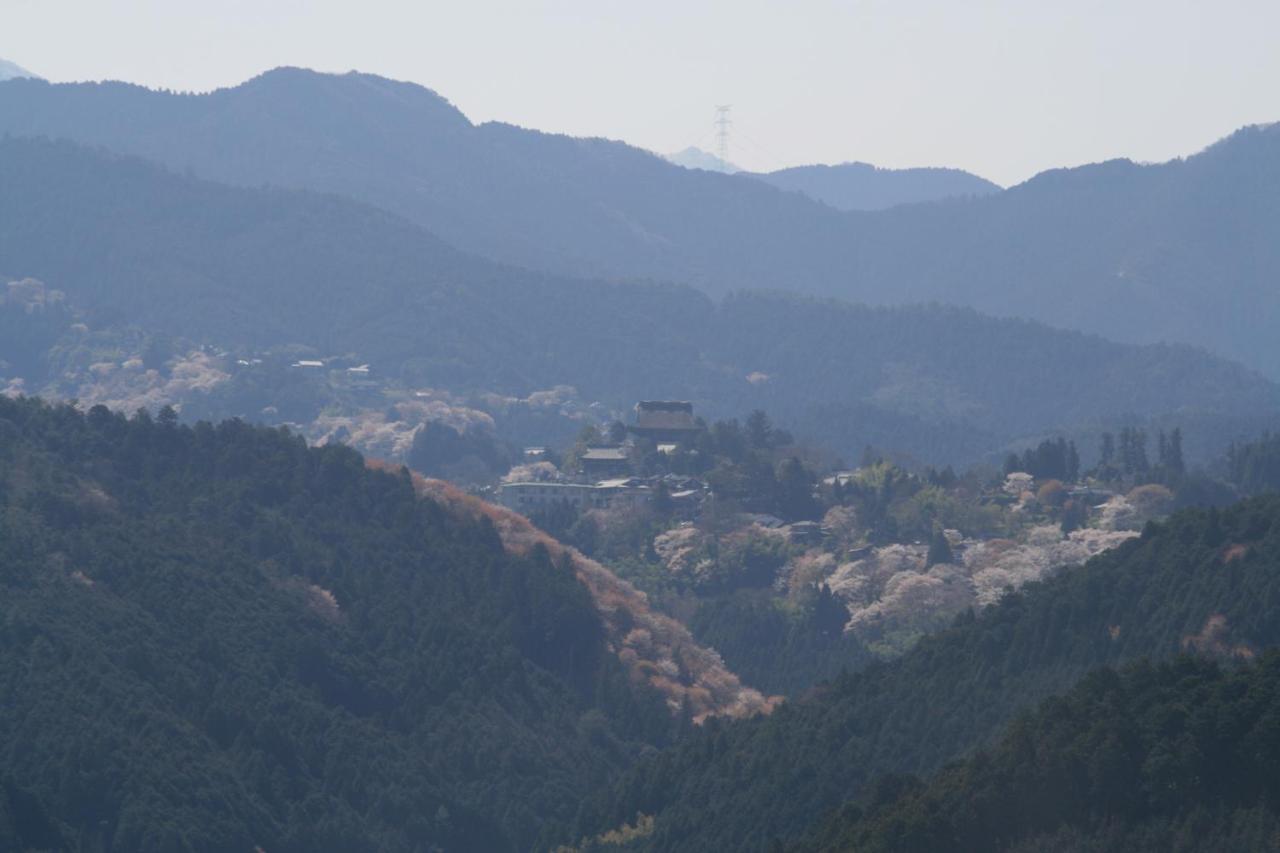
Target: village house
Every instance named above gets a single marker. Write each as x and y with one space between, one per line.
600 463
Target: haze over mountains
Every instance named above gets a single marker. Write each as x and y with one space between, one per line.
862 186
130 243
9 71
1181 251
695 158
891 489
853 186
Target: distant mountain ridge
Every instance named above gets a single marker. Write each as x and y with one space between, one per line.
853 186
132 244
696 158
862 186
1180 251
9 71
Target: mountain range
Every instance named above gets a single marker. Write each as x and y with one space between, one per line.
214 636
135 245
1181 251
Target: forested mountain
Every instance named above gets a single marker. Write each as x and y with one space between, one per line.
131 244
1179 757
1181 251
1206 581
578 206
862 186
215 638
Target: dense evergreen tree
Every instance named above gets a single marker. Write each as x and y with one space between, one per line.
939 550
213 637
1254 467
1107 452
1149 759
439 450
780 648
1133 451
759 430
32 319
1055 459
796 499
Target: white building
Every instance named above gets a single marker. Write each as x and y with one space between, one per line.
527 498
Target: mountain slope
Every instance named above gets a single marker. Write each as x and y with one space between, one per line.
132 244
216 638
862 186
1178 251
1181 251
1175 757
1205 580
657 649
579 206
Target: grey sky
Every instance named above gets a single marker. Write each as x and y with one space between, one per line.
1004 89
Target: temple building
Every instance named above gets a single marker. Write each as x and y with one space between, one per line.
665 421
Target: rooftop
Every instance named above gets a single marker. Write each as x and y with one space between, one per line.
622 483
605 454
664 406
665 415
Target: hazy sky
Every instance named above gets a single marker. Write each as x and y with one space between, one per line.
1004 89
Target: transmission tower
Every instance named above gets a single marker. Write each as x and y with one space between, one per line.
723 123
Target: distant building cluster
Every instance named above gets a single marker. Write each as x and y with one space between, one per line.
685 494
607 478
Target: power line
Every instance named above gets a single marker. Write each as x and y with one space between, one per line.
722 125
776 161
